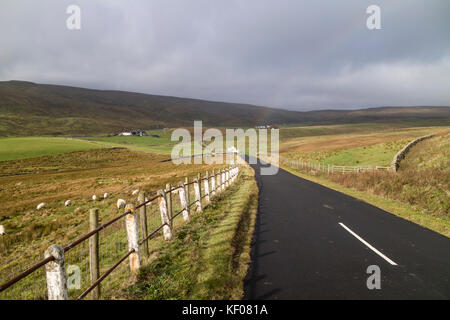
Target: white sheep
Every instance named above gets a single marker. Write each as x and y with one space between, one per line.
135 192
40 206
105 196
68 203
148 203
94 197
2 230
121 203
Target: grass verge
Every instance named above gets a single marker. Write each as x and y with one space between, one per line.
208 257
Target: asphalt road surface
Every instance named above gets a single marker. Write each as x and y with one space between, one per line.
311 242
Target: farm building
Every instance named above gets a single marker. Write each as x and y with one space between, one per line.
138 132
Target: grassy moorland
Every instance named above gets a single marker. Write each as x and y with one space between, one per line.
361 144
32 147
77 176
419 191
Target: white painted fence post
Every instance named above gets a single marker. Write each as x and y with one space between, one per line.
213 184
165 220
198 197
132 227
56 274
227 177
184 201
207 188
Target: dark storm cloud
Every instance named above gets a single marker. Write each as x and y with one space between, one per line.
295 54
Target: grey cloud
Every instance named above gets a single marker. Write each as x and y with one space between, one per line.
285 53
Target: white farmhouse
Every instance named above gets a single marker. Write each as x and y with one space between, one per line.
232 150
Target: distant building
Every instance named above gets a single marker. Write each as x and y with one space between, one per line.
140 133
232 150
263 127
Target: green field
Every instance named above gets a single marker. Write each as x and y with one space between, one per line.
379 154
163 144
32 147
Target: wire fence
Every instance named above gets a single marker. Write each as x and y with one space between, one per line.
331 168
89 258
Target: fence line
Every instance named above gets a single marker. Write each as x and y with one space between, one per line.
331 168
54 261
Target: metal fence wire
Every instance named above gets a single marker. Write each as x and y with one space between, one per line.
88 259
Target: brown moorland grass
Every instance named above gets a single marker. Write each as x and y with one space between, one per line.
75 176
351 140
423 179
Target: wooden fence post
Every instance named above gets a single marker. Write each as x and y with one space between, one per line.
227 177
184 201
143 223
213 184
199 178
207 188
131 223
198 197
169 199
165 220
218 186
186 184
94 265
56 274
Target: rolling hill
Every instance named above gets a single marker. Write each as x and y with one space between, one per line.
28 108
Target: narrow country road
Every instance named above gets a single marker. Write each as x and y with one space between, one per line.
311 242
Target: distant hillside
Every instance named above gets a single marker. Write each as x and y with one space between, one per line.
38 109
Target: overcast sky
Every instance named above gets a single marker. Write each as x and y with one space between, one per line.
297 54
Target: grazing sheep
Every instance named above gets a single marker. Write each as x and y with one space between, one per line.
40 206
94 197
121 203
68 203
135 192
2 230
105 196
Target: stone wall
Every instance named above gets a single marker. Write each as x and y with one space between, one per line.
395 164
